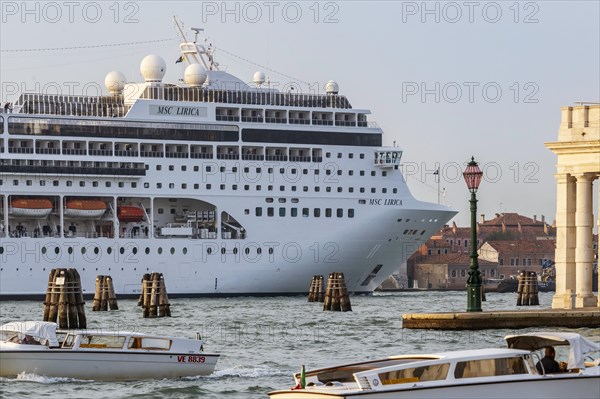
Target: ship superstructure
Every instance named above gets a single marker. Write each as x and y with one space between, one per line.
224 187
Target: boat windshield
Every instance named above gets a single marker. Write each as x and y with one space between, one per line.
490 367
346 373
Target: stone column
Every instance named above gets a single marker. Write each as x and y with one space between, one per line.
583 251
565 243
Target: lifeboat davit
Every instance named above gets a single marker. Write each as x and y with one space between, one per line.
76 208
37 208
128 214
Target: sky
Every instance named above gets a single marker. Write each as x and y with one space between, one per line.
444 80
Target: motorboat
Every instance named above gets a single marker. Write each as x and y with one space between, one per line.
481 373
40 348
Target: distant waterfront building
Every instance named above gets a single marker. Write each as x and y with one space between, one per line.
449 271
513 256
453 240
578 151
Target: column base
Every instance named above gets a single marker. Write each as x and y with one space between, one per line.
586 301
565 300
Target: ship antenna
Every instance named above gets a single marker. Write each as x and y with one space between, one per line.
196 31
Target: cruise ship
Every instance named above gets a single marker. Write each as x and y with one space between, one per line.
225 187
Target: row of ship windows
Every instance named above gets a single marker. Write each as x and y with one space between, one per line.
196 186
159 251
282 171
305 212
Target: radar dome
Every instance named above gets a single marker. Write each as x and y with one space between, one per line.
195 75
115 82
332 87
259 77
153 68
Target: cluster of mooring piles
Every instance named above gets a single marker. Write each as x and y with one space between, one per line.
527 290
153 299
64 299
336 295
316 292
104 295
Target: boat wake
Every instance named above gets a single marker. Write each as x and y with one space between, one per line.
249 372
30 377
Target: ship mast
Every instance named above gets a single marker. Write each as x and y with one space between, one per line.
195 53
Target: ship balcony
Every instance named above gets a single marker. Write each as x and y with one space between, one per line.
295 121
101 152
15 166
322 122
20 150
126 153
228 118
201 155
74 151
258 119
152 154
53 151
275 120
228 156
253 157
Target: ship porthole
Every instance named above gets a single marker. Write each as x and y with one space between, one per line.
147 251
184 251
247 251
43 250
96 250
122 250
134 250
70 250
109 250
259 251
1 250
271 251
83 250
235 251
160 250
56 250
172 251
209 250
223 250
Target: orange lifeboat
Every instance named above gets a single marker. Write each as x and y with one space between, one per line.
77 208
37 208
128 213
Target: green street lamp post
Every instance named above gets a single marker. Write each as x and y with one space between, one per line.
473 177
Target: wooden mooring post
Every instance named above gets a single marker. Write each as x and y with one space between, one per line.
64 299
336 294
153 299
527 289
316 291
104 295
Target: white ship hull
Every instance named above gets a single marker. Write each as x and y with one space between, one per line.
356 250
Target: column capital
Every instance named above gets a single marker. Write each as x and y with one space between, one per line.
562 178
585 177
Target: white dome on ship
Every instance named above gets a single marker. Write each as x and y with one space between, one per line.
115 82
195 75
259 77
332 87
153 68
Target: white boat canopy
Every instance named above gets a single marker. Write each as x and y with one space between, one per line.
40 330
580 346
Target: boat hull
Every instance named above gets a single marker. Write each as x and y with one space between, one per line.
105 365
542 387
